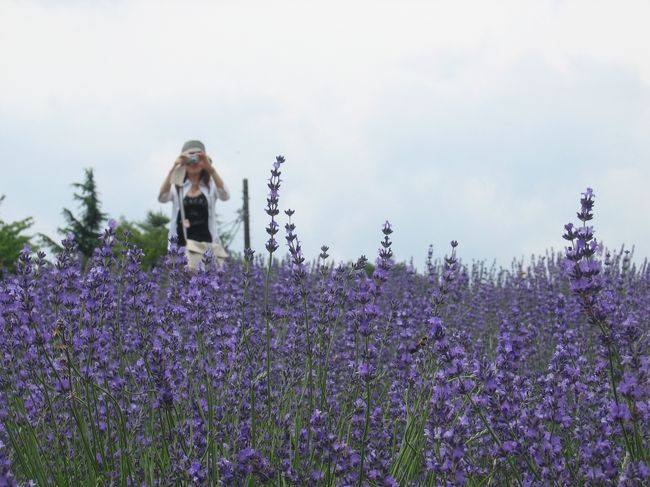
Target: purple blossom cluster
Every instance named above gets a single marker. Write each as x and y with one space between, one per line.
282 371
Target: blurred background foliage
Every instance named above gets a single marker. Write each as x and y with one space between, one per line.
86 224
12 240
150 235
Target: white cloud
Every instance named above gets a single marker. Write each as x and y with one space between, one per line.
470 120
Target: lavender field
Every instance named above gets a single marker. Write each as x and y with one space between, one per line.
288 369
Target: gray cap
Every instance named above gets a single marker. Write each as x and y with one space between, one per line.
193 144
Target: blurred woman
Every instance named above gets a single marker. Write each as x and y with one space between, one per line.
194 178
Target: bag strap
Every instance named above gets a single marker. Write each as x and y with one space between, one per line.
179 189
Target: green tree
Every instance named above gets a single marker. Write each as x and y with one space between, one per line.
87 226
150 235
12 240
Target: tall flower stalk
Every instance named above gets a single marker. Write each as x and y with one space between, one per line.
271 246
368 367
584 271
298 274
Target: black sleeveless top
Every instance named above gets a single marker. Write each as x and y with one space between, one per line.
196 211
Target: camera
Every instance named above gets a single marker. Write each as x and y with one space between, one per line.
193 159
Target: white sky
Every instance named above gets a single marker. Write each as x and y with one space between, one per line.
470 120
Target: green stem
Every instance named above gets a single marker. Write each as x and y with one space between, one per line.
77 417
310 366
515 470
614 384
366 426
267 322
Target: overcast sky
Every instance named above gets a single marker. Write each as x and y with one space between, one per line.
480 121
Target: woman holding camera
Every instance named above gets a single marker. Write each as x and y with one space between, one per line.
194 179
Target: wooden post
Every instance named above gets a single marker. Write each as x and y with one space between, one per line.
245 216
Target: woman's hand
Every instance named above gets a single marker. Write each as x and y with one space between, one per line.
180 161
205 162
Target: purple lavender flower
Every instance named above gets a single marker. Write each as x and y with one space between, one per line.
272 204
287 371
